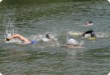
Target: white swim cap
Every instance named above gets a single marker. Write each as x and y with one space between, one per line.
72 42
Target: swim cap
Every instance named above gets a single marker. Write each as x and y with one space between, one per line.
33 42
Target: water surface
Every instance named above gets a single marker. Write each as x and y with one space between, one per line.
30 18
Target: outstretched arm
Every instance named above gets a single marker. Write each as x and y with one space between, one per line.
25 40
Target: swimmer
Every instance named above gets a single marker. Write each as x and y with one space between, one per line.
72 43
47 37
89 23
20 37
88 34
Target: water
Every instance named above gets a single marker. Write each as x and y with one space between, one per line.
31 18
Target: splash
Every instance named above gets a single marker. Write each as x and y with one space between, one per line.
1 0
9 30
74 33
1 74
43 40
102 35
109 74
109 1
98 34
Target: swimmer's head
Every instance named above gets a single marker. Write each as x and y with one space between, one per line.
47 36
7 39
90 22
87 32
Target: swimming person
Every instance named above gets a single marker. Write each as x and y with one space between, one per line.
47 37
20 37
88 34
72 43
89 23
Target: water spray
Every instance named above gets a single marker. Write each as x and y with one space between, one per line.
1 0
109 1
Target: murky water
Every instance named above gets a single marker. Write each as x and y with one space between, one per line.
59 17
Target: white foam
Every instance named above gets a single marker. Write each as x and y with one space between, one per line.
109 1
102 35
1 0
1 74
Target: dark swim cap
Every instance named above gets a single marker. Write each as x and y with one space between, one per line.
47 36
33 42
7 39
90 22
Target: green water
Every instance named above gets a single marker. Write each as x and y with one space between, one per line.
33 17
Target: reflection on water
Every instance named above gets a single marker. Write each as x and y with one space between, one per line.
58 17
